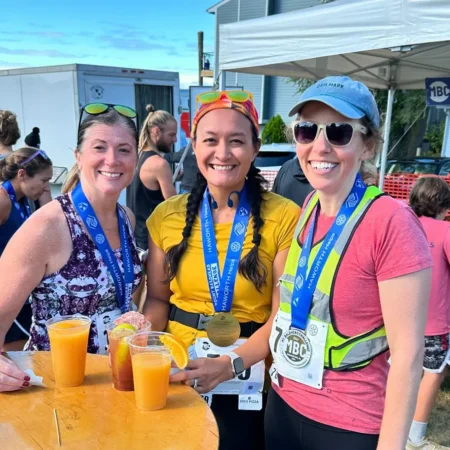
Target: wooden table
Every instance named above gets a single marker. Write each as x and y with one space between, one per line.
96 416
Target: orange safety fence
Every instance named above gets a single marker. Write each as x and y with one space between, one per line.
399 185
270 176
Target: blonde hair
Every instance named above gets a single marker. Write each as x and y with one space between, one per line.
110 118
154 119
369 173
73 177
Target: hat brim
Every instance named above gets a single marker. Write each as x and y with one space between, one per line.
337 104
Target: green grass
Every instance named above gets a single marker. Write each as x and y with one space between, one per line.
439 429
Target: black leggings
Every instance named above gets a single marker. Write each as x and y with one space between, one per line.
286 429
238 430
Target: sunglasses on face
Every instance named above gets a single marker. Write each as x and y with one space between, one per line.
210 97
337 134
38 152
94 109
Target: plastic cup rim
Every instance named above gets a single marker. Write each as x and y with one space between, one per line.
148 333
57 319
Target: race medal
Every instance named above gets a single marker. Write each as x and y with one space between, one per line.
296 348
223 329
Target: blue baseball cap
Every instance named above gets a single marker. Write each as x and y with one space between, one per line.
350 98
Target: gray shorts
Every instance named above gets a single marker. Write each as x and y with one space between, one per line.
437 353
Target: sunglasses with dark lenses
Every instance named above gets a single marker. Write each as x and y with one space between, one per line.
210 97
94 109
337 134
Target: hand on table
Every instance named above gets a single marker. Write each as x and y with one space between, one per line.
11 377
208 372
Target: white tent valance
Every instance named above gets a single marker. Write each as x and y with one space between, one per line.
382 43
386 44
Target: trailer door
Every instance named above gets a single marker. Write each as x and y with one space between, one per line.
161 97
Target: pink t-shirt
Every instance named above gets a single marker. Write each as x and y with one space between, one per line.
388 243
438 235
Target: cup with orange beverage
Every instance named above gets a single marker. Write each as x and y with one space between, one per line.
68 345
151 358
118 332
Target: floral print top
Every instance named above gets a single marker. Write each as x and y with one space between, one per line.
83 285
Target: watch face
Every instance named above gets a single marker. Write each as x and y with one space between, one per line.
238 365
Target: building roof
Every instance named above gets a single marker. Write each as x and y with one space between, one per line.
215 7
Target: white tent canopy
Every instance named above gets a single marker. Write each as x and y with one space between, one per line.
387 44
382 43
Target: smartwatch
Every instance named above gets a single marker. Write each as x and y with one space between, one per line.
237 364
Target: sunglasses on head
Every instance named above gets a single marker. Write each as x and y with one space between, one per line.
38 152
94 109
210 97
338 134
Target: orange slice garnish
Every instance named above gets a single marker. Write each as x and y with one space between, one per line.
177 349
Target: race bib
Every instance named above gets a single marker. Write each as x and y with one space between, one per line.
298 355
102 321
251 381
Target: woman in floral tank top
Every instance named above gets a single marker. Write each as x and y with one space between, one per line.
53 256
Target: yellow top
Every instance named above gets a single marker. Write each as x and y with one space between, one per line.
190 290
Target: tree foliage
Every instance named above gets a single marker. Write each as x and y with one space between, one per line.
435 137
274 131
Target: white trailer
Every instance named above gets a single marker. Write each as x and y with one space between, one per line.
51 98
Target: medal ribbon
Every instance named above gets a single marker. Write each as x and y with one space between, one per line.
22 206
122 282
305 284
221 287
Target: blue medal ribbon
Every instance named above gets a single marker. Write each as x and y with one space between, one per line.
22 205
220 286
305 284
122 282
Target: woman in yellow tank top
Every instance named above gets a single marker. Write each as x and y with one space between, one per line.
215 256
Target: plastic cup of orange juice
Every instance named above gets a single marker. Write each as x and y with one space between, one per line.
119 351
151 361
68 345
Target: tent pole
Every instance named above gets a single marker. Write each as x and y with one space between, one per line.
387 129
222 81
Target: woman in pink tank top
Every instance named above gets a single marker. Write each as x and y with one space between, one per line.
355 287
430 200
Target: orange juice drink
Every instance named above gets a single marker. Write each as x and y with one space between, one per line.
119 351
151 361
151 372
68 345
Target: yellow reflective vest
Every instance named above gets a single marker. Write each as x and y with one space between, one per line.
341 352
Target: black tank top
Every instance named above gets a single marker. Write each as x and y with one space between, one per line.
142 201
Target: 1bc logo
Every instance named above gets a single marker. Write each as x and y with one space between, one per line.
296 348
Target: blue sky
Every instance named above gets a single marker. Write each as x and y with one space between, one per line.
142 34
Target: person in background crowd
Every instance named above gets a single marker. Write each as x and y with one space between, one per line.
356 284
430 200
33 139
152 183
228 208
190 168
53 255
9 132
291 182
24 175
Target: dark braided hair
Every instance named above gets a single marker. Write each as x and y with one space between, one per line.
250 267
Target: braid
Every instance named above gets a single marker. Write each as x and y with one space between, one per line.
251 266
175 253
